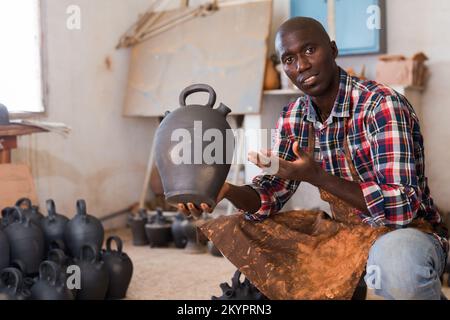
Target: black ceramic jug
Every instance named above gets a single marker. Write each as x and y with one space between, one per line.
53 225
239 290
212 249
4 250
26 241
94 275
137 224
120 269
30 211
11 285
190 231
194 147
83 229
158 230
179 238
50 284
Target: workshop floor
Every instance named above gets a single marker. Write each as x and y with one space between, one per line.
173 274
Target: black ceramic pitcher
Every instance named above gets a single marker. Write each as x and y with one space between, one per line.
26 241
83 229
53 225
193 148
120 269
4 250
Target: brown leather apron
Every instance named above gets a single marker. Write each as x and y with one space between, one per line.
301 254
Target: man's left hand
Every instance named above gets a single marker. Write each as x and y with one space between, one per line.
304 168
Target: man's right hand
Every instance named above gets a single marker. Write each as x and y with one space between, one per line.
190 209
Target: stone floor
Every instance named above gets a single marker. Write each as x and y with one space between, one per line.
174 274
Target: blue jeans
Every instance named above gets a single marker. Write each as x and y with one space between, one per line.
406 264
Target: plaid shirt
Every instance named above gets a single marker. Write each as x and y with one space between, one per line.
386 147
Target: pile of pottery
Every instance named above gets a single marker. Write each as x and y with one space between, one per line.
54 258
159 230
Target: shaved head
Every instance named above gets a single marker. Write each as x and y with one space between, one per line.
304 24
308 56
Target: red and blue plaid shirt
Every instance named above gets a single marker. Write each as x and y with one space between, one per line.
386 147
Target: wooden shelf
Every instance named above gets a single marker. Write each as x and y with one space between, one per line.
18 130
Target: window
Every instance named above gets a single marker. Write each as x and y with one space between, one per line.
21 86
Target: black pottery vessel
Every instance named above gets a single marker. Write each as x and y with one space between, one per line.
179 238
137 224
53 225
120 269
26 240
83 229
191 166
159 230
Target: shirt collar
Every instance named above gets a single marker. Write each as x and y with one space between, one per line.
341 107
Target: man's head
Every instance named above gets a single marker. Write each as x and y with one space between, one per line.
307 55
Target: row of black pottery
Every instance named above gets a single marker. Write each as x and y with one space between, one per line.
52 257
158 230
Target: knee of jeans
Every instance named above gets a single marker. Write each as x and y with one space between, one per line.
402 260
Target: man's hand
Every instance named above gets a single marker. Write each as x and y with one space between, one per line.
190 209
304 168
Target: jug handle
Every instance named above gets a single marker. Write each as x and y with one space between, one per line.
17 277
24 200
81 208
118 242
53 267
198 88
19 212
92 249
51 208
57 256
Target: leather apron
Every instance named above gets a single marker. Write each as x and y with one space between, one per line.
302 254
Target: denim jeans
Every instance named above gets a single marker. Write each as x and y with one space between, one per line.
406 264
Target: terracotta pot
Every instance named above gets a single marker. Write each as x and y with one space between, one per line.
192 168
272 77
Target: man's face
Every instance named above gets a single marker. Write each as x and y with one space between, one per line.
308 60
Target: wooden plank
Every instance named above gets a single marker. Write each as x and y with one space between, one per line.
226 49
16 182
18 130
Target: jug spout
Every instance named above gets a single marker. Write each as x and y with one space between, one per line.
223 109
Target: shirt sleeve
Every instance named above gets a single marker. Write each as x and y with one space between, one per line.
393 199
273 191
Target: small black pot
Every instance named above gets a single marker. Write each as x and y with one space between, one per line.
159 233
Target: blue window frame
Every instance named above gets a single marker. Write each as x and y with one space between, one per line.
360 27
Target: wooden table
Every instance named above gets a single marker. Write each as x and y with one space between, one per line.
8 138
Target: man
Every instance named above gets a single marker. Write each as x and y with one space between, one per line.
367 151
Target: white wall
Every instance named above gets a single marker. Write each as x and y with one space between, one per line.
104 158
